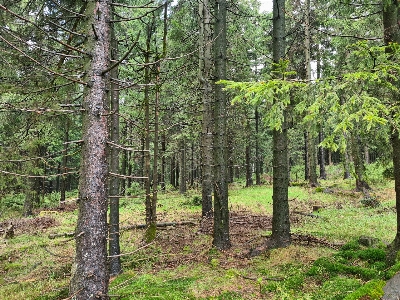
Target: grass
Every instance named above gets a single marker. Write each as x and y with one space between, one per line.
183 265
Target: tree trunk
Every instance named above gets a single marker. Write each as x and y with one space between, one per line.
124 162
205 62
163 150
221 210
64 178
182 165
392 34
359 168
346 164
258 158
90 276
312 154
322 169
306 157
114 247
280 218
151 218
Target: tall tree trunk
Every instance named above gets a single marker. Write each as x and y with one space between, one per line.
221 210
312 152
249 171
205 74
90 276
280 218
151 218
258 158
114 189
391 33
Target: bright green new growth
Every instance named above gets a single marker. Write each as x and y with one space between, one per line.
274 95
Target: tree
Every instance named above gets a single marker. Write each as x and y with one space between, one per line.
205 73
391 34
280 219
90 274
221 239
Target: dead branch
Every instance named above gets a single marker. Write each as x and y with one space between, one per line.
166 224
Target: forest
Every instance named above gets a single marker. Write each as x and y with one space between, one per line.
199 149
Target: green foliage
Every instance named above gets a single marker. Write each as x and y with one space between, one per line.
272 96
328 267
369 254
352 245
392 270
372 290
12 202
336 288
128 286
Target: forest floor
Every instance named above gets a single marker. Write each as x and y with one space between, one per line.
182 264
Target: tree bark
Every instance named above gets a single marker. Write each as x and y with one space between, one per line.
258 158
391 34
280 218
322 169
221 210
90 276
182 165
359 168
151 217
205 74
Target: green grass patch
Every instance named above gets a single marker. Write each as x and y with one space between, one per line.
128 286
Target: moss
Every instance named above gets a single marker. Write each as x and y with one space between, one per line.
373 290
353 245
150 233
327 268
369 254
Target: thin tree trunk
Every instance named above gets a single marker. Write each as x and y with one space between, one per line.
359 168
151 219
64 178
346 164
322 169
258 158
182 165
312 153
163 150
205 62
221 239
306 157
90 276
